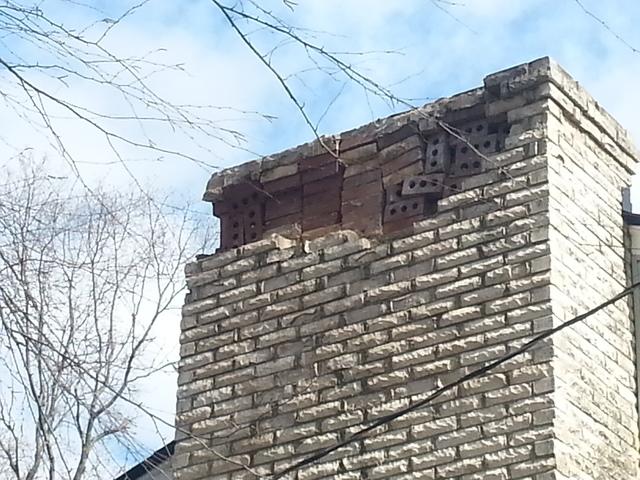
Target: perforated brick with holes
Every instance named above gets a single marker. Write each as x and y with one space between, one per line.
241 215
375 182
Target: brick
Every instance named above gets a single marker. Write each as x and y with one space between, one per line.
482 236
507 425
410 449
387 291
341 421
413 242
279 309
437 457
431 309
389 263
460 228
323 296
508 303
482 295
484 415
482 355
457 258
415 356
318 471
436 278
294 290
434 427
508 456
388 468
480 266
459 315
460 467
280 281
343 362
434 250
482 384
322 269
458 287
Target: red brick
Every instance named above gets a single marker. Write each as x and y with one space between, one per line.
286 220
398 149
362 191
355 140
284 183
320 221
401 224
363 206
311 163
328 201
232 231
398 135
330 183
253 224
409 157
363 178
283 205
317 173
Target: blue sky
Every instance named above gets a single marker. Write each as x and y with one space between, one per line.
435 52
436 49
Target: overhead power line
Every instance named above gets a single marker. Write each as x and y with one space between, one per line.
471 375
606 26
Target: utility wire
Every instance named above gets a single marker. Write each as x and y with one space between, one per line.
606 26
474 374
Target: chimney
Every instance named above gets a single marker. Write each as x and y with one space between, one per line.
359 273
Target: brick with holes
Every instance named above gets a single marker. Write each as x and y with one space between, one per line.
432 185
241 215
393 193
468 152
404 208
436 154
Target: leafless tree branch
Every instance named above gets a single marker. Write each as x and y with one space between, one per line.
78 293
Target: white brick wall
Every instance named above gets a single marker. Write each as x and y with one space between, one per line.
290 346
595 399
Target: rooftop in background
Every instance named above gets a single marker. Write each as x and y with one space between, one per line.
152 465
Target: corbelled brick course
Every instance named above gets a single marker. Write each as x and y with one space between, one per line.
293 342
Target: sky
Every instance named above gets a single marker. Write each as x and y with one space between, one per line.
418 49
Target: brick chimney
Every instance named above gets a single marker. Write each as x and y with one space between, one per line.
359 272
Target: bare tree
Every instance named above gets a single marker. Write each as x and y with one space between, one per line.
85 273
48 55
82 285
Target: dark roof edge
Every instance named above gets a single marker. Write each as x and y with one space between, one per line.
631 218
153 460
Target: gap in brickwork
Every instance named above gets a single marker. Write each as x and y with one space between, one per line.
399 178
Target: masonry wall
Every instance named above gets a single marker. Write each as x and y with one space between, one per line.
293 342
595 392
